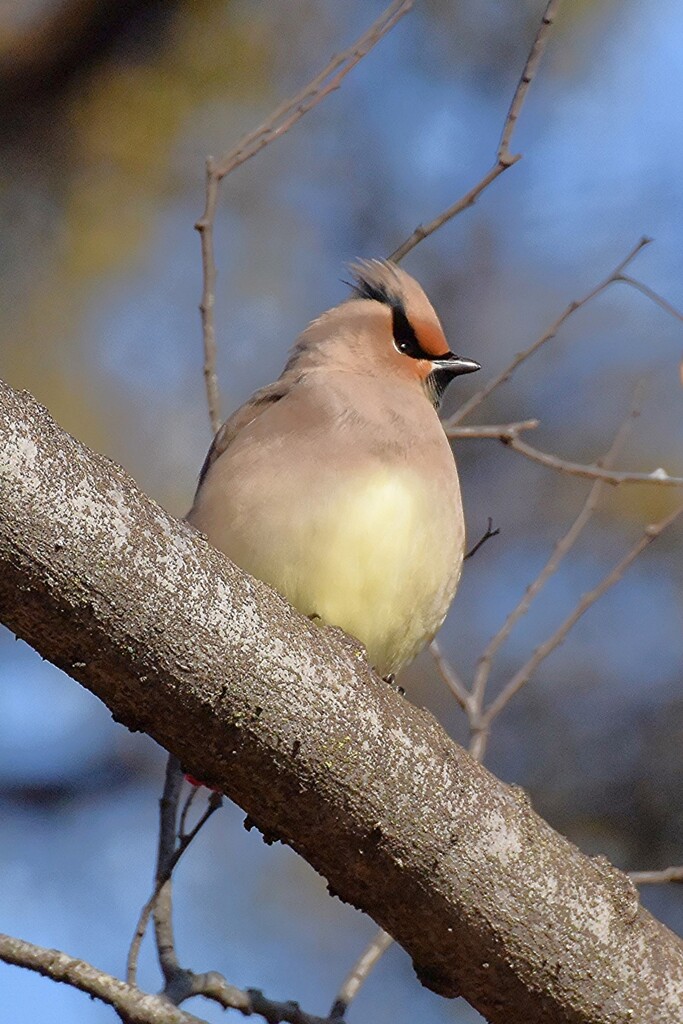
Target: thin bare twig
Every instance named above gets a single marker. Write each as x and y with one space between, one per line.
167 857
213 985
277 124
208 300
189 800
138 1007
138 936
166 844
488 533
180 983
657 877
522 676
479 396
423 231
450 677
496 431
132 1005
359 973
590 471
651 294
162 901
528 75
504 158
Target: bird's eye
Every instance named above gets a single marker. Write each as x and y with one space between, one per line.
405 339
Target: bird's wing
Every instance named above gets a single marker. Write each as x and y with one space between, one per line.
241 418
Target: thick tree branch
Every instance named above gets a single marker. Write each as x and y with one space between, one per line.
288 720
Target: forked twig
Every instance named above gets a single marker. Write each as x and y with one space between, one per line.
170 850
617 276
479 396
560 552
522 676
284 117
134 1006
488 533
504 158
180 983
510 436
450 677
651 294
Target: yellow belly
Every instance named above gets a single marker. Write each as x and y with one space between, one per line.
372 558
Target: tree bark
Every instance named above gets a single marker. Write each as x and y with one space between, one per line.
288 720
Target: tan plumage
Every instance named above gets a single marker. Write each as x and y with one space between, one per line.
336 484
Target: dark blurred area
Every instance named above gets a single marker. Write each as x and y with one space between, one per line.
44 48
107 113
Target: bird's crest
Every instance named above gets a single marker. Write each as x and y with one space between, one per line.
378 280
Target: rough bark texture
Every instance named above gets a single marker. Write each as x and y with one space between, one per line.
288 721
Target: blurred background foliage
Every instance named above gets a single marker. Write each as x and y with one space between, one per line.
107 112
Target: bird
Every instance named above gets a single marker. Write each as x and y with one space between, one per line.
336 484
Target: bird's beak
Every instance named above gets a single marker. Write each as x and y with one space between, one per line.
454 365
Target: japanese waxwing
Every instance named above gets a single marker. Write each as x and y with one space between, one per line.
336 484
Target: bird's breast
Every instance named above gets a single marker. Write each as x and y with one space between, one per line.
377 552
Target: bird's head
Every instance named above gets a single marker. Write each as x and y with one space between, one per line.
388 328
405 332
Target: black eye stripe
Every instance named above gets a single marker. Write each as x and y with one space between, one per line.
405 337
